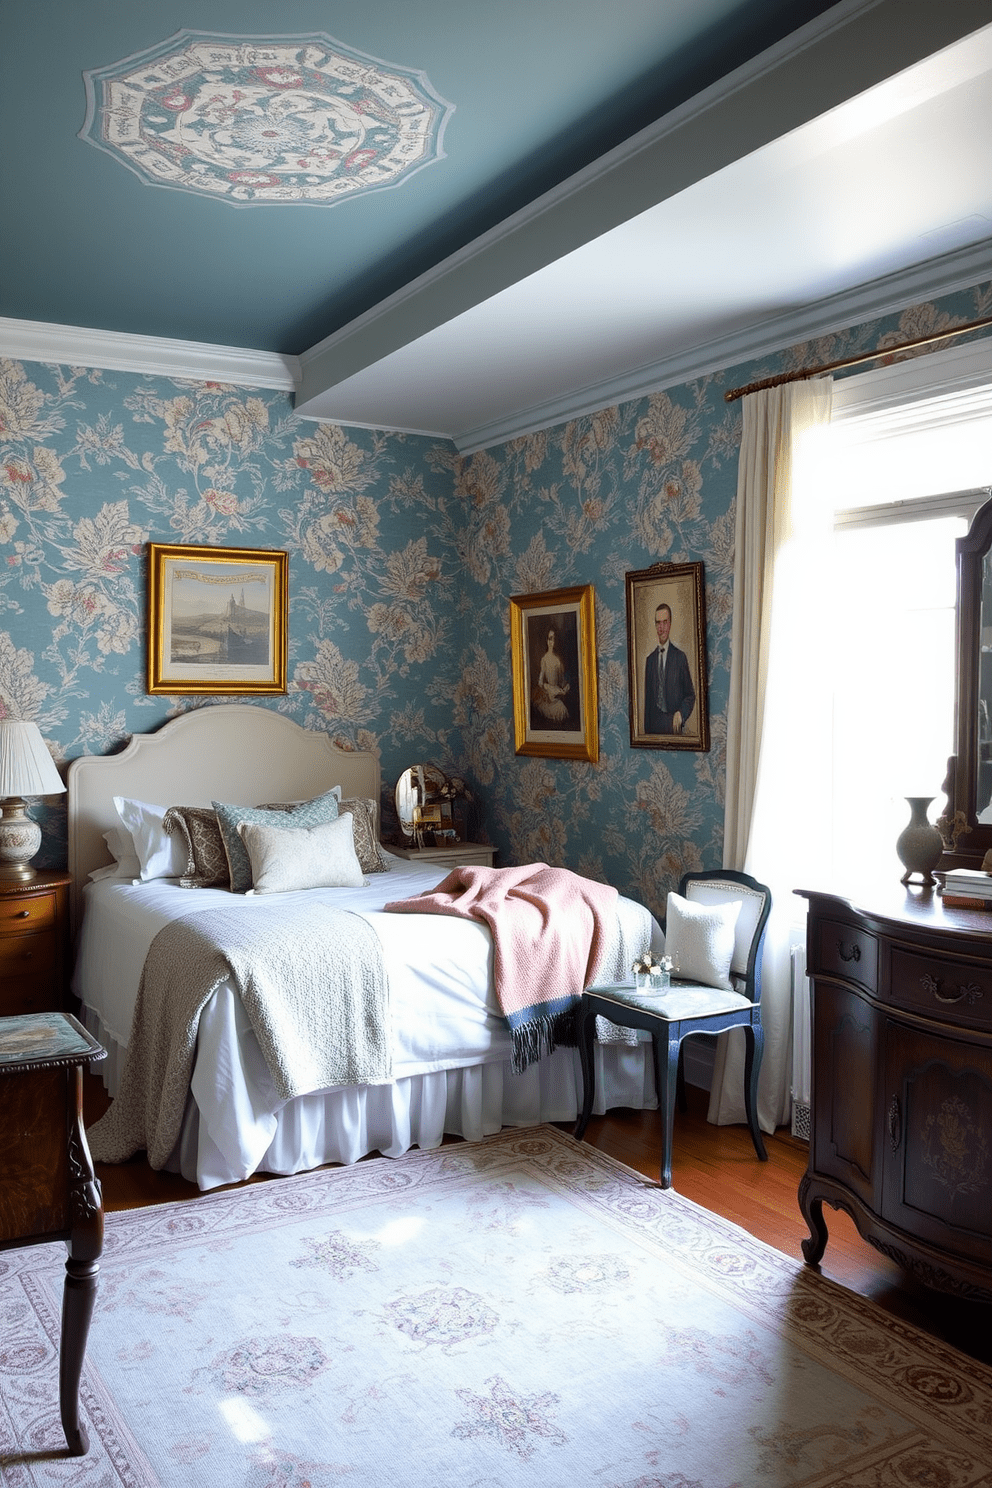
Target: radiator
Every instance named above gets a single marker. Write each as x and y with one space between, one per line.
801 1044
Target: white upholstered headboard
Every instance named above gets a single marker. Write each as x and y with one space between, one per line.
224 752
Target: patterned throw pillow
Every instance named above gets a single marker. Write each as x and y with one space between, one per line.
363 818
206 860
313 813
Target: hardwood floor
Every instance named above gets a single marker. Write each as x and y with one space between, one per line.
714 1167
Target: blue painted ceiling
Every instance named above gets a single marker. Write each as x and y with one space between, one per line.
540 88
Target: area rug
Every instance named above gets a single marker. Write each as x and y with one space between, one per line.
519 1311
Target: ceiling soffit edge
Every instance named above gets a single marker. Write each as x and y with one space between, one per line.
951 272
835 57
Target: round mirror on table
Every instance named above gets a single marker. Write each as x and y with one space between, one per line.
423 805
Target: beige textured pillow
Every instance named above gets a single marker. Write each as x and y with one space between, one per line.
283 859
363 816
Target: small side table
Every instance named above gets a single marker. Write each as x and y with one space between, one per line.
669 1017
48 1189
476 853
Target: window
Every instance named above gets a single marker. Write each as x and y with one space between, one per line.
904 479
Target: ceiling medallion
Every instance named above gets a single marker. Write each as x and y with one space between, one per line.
264 119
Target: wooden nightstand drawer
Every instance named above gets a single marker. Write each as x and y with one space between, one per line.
27 955
26 914
28 994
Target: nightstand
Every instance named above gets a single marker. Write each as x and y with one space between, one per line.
461 852
34 944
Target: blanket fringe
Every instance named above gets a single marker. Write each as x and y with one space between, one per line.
542 1034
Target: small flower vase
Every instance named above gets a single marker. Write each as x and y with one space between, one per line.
919 844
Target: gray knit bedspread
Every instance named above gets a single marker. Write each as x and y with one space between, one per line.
314 987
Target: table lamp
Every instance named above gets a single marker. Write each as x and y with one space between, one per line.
26 769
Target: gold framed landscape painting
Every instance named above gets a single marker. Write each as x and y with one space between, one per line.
217 619
553 652
666 657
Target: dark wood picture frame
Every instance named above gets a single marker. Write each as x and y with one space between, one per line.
217 619
680 588
553 653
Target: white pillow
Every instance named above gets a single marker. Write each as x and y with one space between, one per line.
160 855
286 858
121 845
700 940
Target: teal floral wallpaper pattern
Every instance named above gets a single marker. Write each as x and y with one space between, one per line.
403 556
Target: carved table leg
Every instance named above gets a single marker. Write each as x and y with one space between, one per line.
586 1022
84 1245
754 1048
814 1247
666 1065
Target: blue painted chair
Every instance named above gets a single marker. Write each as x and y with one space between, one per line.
690 1008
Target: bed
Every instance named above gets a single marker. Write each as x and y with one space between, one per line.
451 1067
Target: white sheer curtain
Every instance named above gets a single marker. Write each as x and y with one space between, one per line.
779 715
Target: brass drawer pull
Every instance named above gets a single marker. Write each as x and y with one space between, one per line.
24 914
895 1123
969 993
853 955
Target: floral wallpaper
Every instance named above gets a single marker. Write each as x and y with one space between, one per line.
403 556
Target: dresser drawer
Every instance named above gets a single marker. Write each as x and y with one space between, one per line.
23 914
27 956
954 991
845 951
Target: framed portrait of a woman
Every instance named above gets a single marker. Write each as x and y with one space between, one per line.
553 650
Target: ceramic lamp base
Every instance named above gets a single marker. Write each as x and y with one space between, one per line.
20 839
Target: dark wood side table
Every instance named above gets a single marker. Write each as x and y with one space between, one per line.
48 1189
34 943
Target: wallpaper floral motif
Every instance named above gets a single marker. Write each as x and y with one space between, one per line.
403 557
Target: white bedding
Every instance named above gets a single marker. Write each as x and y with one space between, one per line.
451 1049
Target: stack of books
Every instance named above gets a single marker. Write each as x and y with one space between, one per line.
967 888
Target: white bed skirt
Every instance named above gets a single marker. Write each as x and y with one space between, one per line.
230 1133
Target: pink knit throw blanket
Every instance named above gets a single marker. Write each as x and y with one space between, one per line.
549 928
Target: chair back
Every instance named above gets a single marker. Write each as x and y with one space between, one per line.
722 887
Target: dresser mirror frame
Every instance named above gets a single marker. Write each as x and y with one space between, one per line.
966 839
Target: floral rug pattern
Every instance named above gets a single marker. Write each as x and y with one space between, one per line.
519 1311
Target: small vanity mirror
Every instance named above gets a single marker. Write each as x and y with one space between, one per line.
967 822
423 802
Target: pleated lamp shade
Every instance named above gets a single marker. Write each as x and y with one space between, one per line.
26 769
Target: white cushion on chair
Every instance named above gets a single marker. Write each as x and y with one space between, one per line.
700 938
752 902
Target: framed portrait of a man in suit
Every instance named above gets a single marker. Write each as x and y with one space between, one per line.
666 657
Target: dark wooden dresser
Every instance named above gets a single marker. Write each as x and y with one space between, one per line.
901 1105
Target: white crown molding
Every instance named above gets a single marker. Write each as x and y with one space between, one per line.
154 356
955 271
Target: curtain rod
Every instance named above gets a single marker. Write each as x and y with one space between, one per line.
866 356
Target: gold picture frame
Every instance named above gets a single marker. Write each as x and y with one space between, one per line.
217 619
553 651
668 720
